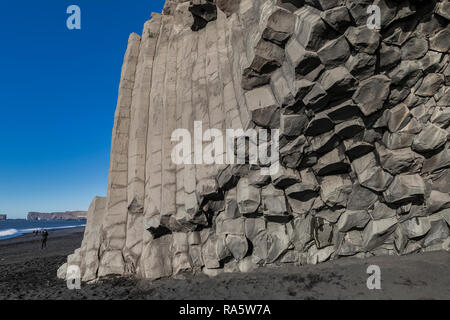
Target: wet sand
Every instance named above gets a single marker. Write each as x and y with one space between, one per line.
27 272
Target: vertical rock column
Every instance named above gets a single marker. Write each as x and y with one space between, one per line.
231 111
216 112
187 120
155 260
168 173
114 224
200 100
238 56
185 43
86 257
138 142
183 108
91 239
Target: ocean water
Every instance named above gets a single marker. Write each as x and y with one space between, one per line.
16 227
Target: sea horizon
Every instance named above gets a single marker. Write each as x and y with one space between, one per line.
12 228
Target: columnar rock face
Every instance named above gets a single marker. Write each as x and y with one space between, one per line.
364 118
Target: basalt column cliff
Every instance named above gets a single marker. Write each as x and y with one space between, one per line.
364 119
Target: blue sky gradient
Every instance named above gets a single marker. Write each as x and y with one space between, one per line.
58 93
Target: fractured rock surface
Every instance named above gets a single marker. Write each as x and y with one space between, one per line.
364 121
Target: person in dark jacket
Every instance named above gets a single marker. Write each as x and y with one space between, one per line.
44 239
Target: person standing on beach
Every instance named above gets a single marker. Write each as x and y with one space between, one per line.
44 239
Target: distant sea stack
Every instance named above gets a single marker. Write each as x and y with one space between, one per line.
68 215
363 112
2 217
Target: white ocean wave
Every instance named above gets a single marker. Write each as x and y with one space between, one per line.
29 230
8 232
62 227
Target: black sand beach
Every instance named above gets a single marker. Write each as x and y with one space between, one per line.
26 272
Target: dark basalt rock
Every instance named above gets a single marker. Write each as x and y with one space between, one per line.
203 11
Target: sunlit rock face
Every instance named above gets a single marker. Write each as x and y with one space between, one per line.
363 114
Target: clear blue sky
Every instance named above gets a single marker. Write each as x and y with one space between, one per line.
58 91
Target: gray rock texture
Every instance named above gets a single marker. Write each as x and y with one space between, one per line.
364 119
